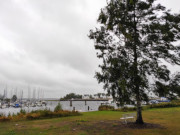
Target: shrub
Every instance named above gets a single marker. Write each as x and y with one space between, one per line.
106 108
1 114
49 114
166 105
9 114
32 116
18 117
58 108
5 119
38 114
22 111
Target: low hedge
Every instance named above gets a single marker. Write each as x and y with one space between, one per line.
38 114
5 119
49 114
129 109
166 105
106 108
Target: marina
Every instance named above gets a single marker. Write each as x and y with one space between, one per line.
76 105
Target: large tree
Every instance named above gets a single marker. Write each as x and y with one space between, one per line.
135 39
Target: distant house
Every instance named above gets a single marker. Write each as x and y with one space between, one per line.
152 95
86 96
100 96
103 95
95 96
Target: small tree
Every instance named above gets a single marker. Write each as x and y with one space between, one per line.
134 39
14 98
58 108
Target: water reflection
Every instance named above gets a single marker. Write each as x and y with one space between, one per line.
80 106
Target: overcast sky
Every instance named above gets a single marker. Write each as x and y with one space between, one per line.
44 44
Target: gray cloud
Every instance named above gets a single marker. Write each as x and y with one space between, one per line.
44 43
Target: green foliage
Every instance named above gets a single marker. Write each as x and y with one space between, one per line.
171 89
133 42
109 121
71 96
13 115
23 111
1 114
5 119
37 114
165 105
175 103
106 108
40 114
58 108
33 116
7 100
9 114
12 132
14 98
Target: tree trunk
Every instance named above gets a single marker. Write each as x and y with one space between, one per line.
136 77
139 119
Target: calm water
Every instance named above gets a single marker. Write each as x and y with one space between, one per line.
79 106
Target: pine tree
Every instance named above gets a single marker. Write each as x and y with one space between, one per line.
134 39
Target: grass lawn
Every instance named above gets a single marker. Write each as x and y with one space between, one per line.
97 123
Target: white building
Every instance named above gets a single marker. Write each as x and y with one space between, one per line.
151 95
86 96
95 96
103 96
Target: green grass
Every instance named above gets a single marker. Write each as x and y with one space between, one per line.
96 123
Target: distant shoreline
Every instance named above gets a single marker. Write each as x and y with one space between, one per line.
81 100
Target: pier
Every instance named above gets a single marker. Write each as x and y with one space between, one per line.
85 100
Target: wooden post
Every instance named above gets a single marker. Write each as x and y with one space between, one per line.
85 102
70 102
88 108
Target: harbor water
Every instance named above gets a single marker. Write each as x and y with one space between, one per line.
80 106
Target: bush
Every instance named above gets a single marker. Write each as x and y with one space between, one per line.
58 108
38 114
1 114
49 114
166 105
32 116
5 119
9 114
106 108
22 111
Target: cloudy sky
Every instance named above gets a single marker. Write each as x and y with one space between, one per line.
44 44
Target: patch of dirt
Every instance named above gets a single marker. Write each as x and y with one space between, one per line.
118 126
143 126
